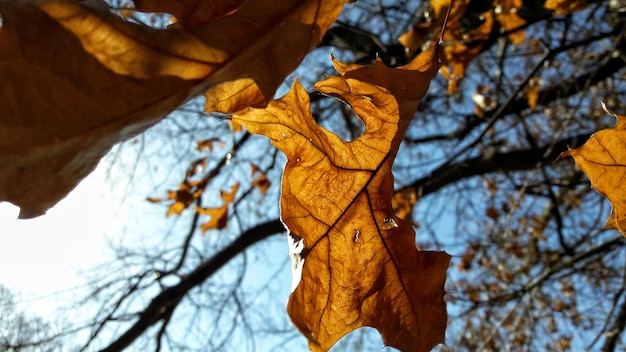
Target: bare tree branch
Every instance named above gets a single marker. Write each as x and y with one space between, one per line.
613 333
165 302
503 162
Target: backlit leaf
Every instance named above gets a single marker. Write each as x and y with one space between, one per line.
77 79
561 7
262 183
603 159
532 93
219 216
460 46
470 25
208 144
507 16
359 262
403 203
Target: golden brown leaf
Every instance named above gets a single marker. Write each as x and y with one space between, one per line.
361 266
532 94
254 169
219 216
459 47
183 198
403 202
262 183
510 20
423 33
77 79
188 191
208 144
459 53
462 45
603 159
561 7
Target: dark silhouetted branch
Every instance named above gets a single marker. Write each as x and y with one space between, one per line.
503 162
165 302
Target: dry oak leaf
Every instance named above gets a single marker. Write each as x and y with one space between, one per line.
603 159
532 93
461 49
189 190
561 7
219 216
403 202
359 262
77 79
262 183
208 144
460 46
423 32
509 19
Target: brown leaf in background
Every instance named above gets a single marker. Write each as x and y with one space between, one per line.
561 7
78 79
219 216
532 93
361 264
460 46
189 190
603 159
262 183
403 202
208 144
462 42
509 19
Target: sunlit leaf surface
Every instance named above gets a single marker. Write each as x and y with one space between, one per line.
77 79
360 265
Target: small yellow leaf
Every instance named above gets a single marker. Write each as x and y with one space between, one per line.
183 199
207 144
219 216
562 7
532 94
403 203
262 183
176 208
603 159
254 169
510 20
460 47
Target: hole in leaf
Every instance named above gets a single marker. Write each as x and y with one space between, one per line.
343 122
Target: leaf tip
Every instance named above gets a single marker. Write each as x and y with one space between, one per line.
620 120
29 213
564 154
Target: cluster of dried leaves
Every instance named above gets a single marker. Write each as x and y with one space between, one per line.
471 24
95 79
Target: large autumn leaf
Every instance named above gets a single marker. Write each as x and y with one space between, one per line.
359 262
603 159
76 79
